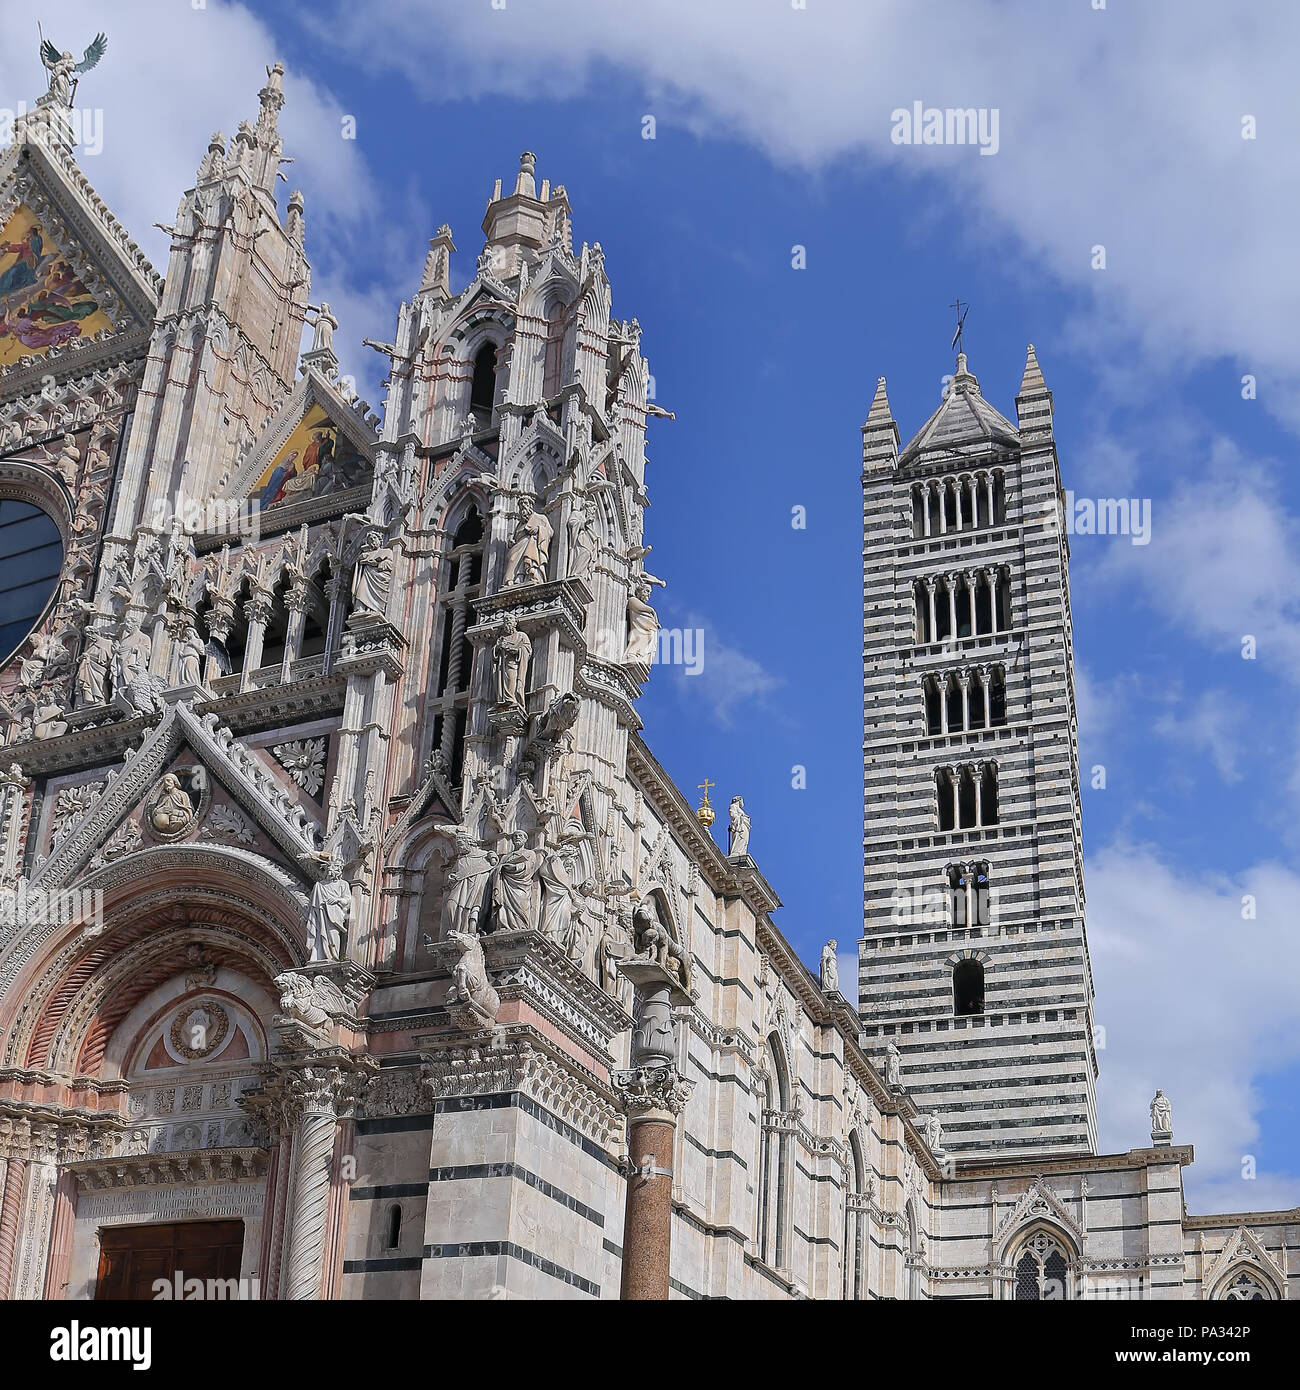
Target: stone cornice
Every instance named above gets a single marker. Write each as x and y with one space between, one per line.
979 1170
163 1170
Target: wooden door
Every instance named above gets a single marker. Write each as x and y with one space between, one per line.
132 1258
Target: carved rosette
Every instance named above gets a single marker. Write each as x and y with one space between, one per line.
647 1093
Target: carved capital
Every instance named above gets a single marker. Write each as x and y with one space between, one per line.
651 1092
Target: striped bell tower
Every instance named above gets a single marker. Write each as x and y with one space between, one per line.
974 963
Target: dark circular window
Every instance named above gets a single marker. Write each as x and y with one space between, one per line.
31 554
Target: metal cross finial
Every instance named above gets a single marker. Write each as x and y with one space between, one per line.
704 787
962 311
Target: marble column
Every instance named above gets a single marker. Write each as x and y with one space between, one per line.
652 1094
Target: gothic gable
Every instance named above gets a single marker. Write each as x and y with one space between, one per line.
1243 1247
75 291
176 801
1039 1203
315 459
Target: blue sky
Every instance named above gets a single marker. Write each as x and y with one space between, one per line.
1121 128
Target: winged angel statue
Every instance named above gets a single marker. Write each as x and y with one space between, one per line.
64 69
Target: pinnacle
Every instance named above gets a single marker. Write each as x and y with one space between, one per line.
879 414
1032 382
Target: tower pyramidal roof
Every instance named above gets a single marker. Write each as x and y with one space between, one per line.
964 418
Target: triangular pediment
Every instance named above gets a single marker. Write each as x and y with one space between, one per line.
1039 1203
314 460
140 789
75 290
1242 1247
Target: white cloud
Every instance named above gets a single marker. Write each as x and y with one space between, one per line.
1198 1001
1212 725
1102 139
726 678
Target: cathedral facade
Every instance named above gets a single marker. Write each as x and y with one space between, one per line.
354 944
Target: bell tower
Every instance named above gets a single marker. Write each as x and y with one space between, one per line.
975 983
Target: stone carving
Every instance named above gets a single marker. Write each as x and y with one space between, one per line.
1162 1118
92 669
468 883
584 542
613 948
562 900
225 821
512 886
643 624
830 968
654 941
932 1128
131 678
893 1067
308 1003
329 913
199 1030
47 712
651 1088
170 810
374 576
530 547
323 325
71 803
64 70
304 761
126 839
510 658
738 828
470 984
190 651
396 1091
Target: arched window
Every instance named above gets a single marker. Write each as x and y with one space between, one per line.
483 387
774 1162
393 1233
460 579
1246 1286
31 555
967 988
1042 1270
855 1250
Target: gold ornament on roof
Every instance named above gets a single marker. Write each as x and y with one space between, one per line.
705 813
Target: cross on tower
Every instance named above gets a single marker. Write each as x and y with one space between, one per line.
962 311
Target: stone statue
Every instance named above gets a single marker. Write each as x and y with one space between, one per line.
932 1128
310 1001
374 575
830 968
612 949
470 984
512 886
530 548
329 913
64 70
893 1067
510 658
467 884
92 669
172 811
583 540
642 624
653 940
738 829
131 678
1162 1116
561 899
190 651
323 325
47 716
